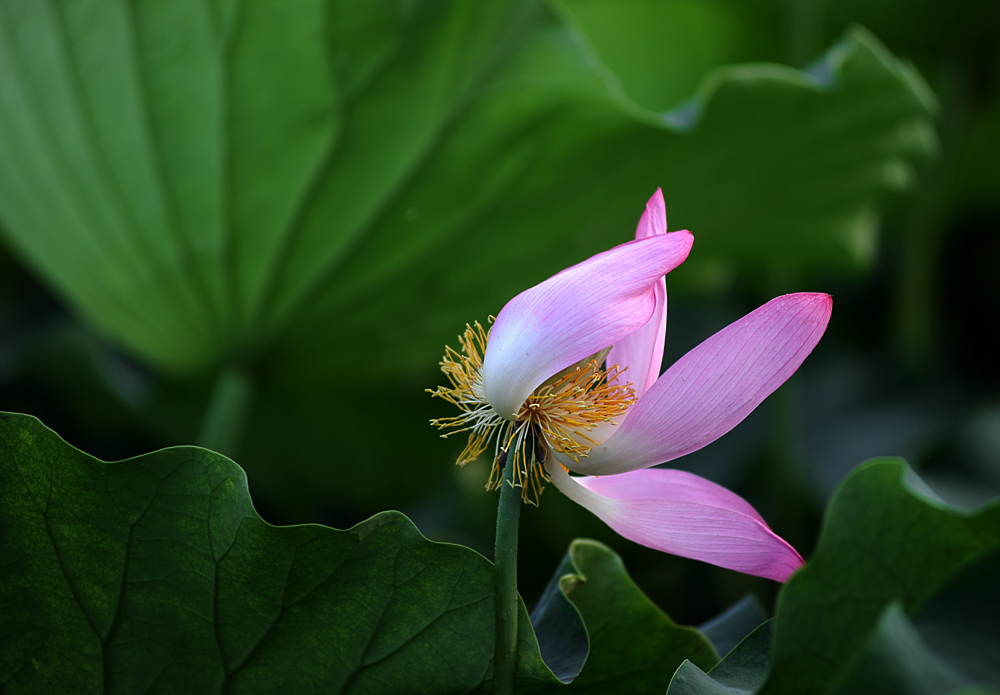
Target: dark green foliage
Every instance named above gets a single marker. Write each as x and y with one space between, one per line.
155 574
882 541
634 646
900 597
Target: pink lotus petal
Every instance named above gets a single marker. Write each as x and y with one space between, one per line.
654 219
712 388
575 314
668 484
684 515
641 352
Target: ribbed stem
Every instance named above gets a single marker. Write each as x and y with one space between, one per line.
505 559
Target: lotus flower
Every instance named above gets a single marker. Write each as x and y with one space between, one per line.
572 366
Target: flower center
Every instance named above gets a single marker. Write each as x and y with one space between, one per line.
557 417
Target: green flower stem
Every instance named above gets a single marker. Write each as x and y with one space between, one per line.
505 559
222 425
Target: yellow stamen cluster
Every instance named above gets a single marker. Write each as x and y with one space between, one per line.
464 371
557 417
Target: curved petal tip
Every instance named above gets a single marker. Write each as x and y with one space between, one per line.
654 218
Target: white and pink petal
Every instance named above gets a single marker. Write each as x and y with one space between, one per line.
640 354
575 314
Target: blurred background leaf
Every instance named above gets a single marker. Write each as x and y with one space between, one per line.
234 185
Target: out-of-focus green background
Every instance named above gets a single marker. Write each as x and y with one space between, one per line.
317 196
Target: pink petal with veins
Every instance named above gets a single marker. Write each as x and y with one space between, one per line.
712 388
682 514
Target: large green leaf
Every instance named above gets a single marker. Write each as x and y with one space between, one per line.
756 164
883 541
634 646
336 183
155 575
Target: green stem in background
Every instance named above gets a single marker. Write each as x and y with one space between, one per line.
222 425
789 495
918 307
505 559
